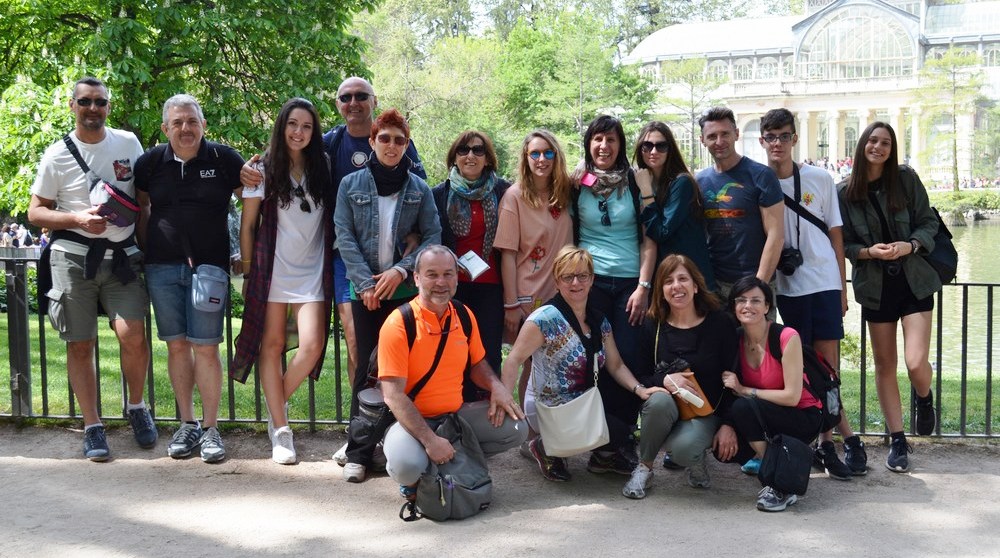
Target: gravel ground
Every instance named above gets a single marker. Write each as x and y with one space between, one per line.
143 503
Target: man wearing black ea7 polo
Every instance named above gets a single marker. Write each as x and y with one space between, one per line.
184 188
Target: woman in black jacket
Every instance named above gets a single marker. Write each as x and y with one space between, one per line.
468 206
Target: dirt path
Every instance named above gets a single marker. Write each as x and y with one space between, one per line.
143 503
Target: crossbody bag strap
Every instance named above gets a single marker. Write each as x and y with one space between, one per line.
794 205
91 175
412 394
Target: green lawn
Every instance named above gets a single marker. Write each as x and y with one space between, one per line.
247 402
248 405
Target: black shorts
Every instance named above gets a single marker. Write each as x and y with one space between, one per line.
897 300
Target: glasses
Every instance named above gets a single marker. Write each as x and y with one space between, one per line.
359 97
477 150
86 102
548 154
648 146
783 138
301 193
602 205
398 140
569 278
742 300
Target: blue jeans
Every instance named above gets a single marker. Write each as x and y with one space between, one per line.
610 295
176 318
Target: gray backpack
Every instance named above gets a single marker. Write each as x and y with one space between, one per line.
458 489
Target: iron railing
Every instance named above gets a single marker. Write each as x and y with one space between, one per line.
962 350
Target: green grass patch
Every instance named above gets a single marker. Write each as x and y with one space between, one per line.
248 404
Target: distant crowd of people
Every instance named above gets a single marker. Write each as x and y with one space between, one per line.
623 271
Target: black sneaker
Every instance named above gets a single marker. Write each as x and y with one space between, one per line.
95 444
669 463
832 464
897 462
926 416
187 437
616 462
552 468
818 459
142 427
855 456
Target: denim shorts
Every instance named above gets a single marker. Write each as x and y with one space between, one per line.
176 318
341 286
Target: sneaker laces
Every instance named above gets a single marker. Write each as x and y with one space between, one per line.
901 446
94 436
212 437
187 434
141 418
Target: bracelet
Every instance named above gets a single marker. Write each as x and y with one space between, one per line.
246 262
648 197
645 284
512 305
753 393
868 252
913 246
635 388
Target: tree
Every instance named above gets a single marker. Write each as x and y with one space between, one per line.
950 86
241 58
688 88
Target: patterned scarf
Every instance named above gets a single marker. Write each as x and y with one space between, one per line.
460 212
607 180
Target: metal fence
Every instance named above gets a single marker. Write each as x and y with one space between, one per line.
962 351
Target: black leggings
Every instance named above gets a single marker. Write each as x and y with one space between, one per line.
803 424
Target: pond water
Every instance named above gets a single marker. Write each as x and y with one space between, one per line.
978 248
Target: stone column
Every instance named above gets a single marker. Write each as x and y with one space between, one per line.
916 139
805 141
864 116
896 121
964 132
833 135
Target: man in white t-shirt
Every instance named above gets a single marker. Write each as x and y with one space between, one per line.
93 261
811 282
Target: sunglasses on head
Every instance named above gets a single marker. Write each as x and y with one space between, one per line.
359 97
602 205
648 146
398 140
301 193
477 150
86 102
549 154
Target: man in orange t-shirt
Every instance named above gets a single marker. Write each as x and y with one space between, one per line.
411 443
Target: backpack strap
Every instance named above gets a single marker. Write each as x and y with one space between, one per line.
774 340
409 324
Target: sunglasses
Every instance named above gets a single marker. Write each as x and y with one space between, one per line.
602 205
359 97
86 102
648 146
783 138
477 150
301 193
549 154
398 140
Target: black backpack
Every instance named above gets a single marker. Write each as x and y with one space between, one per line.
821 380
410 326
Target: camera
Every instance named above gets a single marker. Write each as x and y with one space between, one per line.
791 258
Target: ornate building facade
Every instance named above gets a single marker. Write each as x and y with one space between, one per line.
839 67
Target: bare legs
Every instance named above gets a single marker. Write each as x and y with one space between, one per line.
191 365
278 388
916 349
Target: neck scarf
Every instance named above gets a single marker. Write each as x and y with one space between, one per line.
460 193
388 181
608 181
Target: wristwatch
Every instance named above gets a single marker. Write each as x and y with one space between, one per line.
635 388
645 284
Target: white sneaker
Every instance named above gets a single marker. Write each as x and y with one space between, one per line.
283 447
270 424
642 478
354 472
340 456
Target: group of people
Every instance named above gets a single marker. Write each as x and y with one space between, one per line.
14 235
632 275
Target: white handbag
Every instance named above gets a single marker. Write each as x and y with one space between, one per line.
574 427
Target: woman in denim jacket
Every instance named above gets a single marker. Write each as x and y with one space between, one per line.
887 220
374 248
